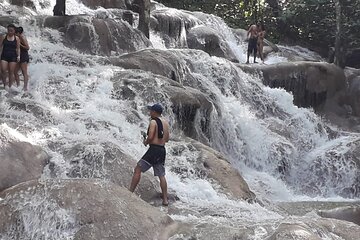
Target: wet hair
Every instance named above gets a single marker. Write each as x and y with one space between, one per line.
11 26
19 30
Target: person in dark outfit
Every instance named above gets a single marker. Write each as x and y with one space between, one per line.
157 136
10 55
253 39
24 59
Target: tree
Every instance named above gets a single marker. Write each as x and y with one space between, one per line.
340 46
59 9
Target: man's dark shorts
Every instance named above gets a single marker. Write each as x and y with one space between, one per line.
252 46
155 158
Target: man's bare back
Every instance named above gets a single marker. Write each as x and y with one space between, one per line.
153 136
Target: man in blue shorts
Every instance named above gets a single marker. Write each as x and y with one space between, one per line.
157 136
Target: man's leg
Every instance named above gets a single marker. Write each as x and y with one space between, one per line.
136 178
255 53
163 185
248 53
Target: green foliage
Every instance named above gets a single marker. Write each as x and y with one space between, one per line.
307 22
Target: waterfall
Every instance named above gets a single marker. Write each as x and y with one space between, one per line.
284 152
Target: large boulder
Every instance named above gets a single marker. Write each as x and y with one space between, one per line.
24 3
189 105
324 167
20 161
214 166
172 25
349 213
352 58
210 41
354 95
312 84
98 36
161 62
79 210
306 230
107 161
105 3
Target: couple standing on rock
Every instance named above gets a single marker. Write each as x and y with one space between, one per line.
157 136
256 35
14 56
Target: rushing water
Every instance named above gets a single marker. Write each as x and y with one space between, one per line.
257 128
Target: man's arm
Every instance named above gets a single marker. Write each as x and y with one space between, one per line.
167 133
151 134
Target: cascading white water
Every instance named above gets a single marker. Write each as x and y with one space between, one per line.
257 128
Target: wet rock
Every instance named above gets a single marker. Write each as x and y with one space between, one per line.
189 105
38 111
80 210
105 3
161 62
108 161
354 95
312 84
335 169
23 3
351 214
20 161
210 41
304 229
98 36
216 167
293 231
6 20
172 25
352 58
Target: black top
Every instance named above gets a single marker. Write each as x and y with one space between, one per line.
9 47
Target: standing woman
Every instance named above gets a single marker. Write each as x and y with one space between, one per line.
24 59
260 43
10 55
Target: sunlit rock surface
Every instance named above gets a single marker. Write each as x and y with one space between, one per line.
79 209
98 36
310 83
20 160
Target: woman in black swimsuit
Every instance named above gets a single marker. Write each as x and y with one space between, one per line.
24 59
10 55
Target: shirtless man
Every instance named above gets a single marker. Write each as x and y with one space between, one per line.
253 38
157 136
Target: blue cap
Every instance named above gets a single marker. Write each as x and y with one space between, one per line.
156 108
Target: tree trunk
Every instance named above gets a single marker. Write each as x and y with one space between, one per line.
59 9
143 8
340 49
